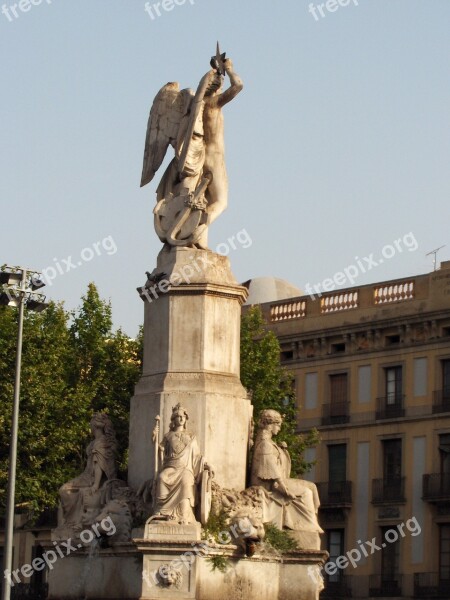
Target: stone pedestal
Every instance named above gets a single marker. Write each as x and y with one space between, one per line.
191 356
173 563
112 573
179 570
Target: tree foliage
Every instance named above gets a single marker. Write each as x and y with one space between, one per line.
270 385
73 365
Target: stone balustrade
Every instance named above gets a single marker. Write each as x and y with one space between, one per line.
397 292
337 302
288 310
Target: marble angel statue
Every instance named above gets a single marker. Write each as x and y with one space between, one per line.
193 191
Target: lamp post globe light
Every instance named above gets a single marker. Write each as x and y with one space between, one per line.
18 287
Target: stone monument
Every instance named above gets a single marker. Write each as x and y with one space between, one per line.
190 418
192 300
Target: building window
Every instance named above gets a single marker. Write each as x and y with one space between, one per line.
441 401
338 489
444 451
335 542
337 462
444 553
37 581
392 459
336 411
392 471
390 406
390 489
446 379
338 389
286 355
392 340
390 561
338 348
394 385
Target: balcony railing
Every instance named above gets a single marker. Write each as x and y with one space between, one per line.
388 491
336 413
431 585
26 591
386 586
334 494
335 590
441 401
390 407
436 487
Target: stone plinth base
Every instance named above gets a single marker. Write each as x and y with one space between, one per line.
179 570
261 578
191 356
114 573
185 571
165 568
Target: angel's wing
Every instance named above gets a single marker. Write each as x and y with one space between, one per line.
169 107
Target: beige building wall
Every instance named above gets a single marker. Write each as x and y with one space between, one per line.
342 349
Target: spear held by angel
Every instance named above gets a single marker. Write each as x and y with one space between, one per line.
193 191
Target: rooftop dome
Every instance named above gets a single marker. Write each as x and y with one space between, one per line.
269 289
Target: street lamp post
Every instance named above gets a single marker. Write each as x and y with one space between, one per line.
18 286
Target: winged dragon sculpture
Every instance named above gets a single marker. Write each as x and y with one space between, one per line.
193 190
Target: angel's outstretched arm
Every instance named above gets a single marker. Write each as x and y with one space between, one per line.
234 89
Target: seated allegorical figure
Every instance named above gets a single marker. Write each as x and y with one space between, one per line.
81 498
291 503
181 472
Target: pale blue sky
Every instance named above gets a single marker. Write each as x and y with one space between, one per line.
338 145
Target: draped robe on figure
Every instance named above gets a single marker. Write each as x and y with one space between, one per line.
176 491
271 463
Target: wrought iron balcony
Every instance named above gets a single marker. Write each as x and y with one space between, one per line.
27 591
335 494
336 413
388 491
431 585
436 487
390 407
384 585
336 590
441 401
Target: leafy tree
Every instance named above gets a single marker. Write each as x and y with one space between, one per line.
49 421
106 364
271 385
73 365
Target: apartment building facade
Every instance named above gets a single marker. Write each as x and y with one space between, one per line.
372 374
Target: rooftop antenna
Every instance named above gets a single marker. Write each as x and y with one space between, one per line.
434 252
